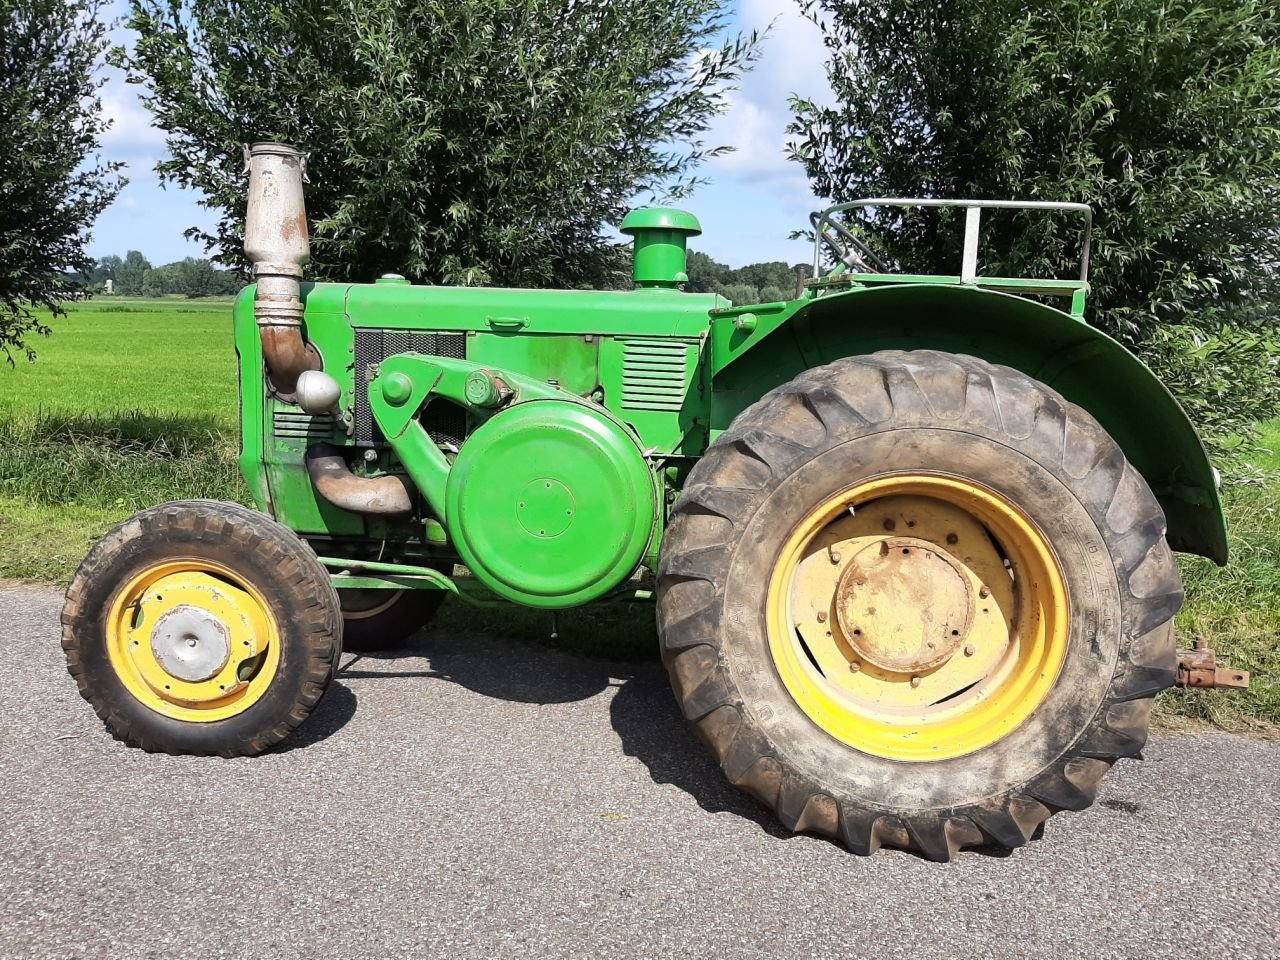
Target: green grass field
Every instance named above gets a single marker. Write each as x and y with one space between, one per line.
132 402
129 403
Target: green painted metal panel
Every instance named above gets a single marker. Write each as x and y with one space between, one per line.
656 386
655 312
550 503
567 359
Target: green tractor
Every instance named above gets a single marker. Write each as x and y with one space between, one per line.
909 538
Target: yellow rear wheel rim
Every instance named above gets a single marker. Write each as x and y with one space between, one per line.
192 641
918 617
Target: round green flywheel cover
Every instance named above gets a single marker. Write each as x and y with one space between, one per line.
550 503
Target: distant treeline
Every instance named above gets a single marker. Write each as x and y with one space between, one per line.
133 276
754 283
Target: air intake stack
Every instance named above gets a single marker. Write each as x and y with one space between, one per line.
661 235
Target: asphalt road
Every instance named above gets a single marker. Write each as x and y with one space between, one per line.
481 798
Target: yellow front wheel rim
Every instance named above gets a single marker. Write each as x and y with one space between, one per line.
918 616
192 641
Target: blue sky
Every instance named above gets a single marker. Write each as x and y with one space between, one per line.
755 198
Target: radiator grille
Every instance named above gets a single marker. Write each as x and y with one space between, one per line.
288 424
654 374
374 346
445 421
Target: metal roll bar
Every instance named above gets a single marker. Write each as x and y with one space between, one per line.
856 255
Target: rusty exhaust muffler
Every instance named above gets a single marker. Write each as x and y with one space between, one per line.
333 480
275 240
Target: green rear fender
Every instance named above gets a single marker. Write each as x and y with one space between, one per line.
1080 362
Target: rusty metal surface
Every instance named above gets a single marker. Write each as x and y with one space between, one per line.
287 356
904 605
333 480
1198 667
276 242
830 602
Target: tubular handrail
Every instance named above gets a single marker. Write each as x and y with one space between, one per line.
856 255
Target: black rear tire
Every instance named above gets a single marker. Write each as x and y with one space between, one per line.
922 411
385 621
264 555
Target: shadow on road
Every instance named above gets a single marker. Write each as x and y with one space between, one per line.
335 709
642 712
647 721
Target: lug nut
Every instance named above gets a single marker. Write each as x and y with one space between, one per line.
822 616
915 681
889 524
835 556
854 666
984 591
968 650
952 538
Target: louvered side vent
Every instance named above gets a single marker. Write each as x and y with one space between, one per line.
296 425
654 374
374 346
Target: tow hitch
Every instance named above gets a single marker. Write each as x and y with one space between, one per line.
1198 667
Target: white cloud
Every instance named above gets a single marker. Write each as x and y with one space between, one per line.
756 120
131 132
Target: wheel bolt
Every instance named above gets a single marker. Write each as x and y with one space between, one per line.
854 666
889 524
984 591
915 681
968 650
835 556
822 616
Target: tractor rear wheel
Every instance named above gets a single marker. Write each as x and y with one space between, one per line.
917 600
200 627
385 619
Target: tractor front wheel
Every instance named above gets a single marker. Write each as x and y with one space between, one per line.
200 627
917 600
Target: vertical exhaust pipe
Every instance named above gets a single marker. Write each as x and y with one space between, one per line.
276 242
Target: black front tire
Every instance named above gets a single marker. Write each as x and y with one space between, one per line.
262 553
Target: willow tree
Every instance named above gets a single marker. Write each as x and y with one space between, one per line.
1164 115
52 186
462 141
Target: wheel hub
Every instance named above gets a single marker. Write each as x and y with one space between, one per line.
917 616
904 605
190 643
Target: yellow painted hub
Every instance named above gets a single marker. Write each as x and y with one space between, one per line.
192 641
918 616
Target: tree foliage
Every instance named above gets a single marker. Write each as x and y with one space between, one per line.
1164 115
131 273
134 276
471 141
754 283
52 187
